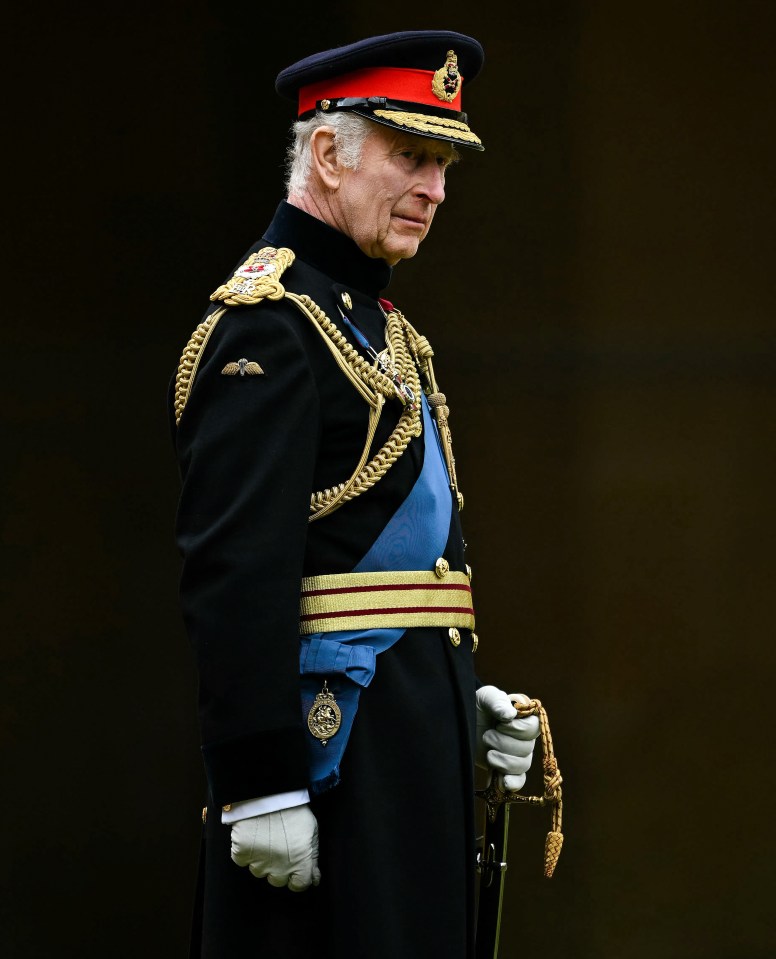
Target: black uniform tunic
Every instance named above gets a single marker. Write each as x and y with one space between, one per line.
396 834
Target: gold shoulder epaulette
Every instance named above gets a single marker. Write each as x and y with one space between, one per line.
257 279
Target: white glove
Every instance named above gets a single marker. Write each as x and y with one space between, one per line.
504 742
282 845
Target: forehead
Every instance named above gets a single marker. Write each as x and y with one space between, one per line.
394 141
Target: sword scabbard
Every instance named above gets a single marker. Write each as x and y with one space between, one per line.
491 865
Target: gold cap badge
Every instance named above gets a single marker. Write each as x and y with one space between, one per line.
447 81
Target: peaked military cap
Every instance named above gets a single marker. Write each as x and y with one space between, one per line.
410 81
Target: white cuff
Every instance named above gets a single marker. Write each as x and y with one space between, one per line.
265 804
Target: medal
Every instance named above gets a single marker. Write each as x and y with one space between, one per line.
325 716
385 363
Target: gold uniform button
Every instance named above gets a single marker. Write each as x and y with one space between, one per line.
441 567
455 636
227 807
475 642
204 814
347 301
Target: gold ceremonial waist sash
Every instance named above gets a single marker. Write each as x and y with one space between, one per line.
343 601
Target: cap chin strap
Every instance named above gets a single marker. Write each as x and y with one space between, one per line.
372 104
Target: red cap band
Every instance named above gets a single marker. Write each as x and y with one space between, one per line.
394 83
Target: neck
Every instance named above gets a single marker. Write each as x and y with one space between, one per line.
317 204
326 248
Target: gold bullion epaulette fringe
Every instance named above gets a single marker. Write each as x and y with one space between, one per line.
257 279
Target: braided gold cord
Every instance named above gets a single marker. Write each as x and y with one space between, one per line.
422 352
317 317
420 349
409 425
189 361
553 794
370 381
365 369
329 500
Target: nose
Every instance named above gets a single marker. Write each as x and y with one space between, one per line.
431 185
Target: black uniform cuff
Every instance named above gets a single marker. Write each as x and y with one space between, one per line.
258 765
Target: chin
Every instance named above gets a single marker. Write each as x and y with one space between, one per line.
403 251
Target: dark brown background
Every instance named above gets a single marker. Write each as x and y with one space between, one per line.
598 289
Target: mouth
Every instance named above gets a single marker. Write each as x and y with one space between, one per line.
412 222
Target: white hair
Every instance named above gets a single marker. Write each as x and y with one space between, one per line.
350 132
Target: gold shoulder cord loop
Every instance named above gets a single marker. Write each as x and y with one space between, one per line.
189 361
380 386
352 364
422 352
325 502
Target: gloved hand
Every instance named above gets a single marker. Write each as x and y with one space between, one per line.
504 742
282 845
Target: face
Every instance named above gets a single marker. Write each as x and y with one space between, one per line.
388 203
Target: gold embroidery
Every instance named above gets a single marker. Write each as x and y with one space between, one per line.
257 279
447 81
439 126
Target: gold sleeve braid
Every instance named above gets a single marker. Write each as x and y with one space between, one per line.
259 279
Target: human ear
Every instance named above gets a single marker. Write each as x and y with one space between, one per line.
324 157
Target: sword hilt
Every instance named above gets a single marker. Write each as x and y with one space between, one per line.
495 795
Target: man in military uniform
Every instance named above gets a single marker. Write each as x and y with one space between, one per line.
324 585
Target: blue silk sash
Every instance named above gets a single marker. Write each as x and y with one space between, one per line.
413 539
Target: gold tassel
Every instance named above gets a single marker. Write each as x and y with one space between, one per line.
552 847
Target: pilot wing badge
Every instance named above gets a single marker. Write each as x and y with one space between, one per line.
243 367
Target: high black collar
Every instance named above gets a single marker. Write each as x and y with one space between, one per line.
326 249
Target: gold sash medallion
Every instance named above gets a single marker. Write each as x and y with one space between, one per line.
325 716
